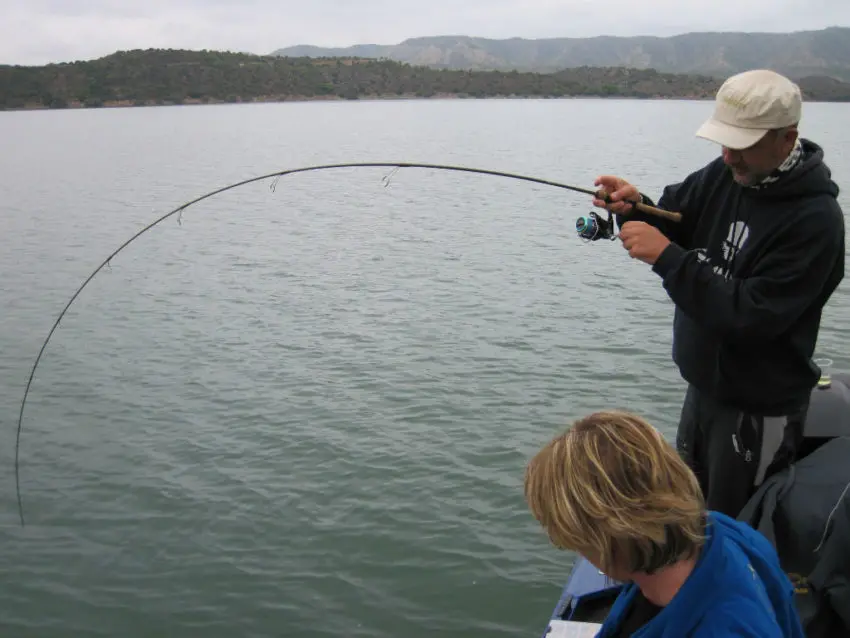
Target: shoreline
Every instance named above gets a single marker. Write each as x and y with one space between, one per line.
118 104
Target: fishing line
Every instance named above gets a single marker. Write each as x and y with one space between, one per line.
276 176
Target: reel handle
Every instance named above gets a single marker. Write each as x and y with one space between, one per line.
644 208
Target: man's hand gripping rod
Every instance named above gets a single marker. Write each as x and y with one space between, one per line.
644 208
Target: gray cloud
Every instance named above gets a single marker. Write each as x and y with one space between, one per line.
41 31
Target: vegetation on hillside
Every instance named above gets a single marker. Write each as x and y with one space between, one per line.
156 76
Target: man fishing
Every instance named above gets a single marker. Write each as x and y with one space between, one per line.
757 254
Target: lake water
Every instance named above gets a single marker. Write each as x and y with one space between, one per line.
307 411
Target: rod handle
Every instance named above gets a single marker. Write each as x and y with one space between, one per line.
645 208
660 212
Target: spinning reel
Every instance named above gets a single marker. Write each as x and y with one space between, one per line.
593 227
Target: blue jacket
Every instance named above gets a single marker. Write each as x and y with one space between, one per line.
736 589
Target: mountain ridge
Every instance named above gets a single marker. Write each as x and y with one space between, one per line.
822 52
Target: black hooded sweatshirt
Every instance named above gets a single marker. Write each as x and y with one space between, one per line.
749 270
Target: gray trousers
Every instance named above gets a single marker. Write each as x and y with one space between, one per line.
732 452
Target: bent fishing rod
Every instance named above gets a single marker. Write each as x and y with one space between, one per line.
591 227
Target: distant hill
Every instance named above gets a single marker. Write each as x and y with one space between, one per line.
824 52
157 76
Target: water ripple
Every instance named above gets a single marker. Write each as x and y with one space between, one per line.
307 412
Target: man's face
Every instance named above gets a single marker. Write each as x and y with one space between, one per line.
751 165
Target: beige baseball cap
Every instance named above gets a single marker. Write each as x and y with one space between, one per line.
748 105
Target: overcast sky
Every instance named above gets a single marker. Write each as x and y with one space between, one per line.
42 31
